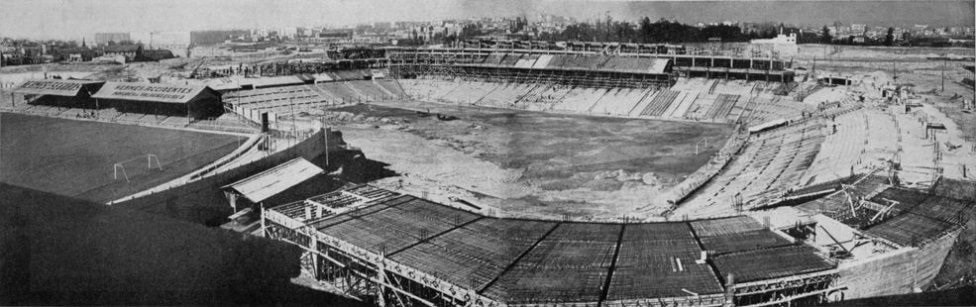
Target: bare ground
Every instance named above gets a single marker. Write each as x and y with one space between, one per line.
537 163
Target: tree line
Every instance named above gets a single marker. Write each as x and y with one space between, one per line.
660 31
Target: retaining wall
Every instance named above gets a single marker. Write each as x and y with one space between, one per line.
898 272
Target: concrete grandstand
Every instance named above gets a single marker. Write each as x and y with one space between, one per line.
811 193
819 190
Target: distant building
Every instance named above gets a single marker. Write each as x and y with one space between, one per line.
212 37
781 46
120 59
334 35
129 52
288 32
77 54
174 41
106 38
155 55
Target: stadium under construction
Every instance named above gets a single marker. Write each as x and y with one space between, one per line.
821 192
802 231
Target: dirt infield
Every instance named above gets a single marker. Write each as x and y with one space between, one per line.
76 158
571 161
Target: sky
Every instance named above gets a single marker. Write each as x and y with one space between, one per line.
73 19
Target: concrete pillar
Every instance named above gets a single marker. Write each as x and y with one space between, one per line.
729 291
381 269
264 232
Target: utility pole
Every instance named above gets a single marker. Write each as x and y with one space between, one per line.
894 71
944 62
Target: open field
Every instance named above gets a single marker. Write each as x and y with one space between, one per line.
76 158
878 53
564 160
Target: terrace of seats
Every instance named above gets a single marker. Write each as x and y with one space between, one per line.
547 98
340 90
659 260
693 84
769 165
689 99
681 105
618 101
837 206
842 152
370 90
660 103
288 99
722 107
274 97
915 153
505 95
396 227
428 89
735 234
523 100
770 263
571 264
882 142
699 104
469 92
920 217
645 100
580 99
476 253
763 110
390 86
528 261
915 218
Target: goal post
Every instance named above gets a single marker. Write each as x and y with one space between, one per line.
116 168
149 160
701 145
121 169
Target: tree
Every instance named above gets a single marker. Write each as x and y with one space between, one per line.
645 30
826 35
890 38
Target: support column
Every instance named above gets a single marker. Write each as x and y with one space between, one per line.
729 291
264 229
381 270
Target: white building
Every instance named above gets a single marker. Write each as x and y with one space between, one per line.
175 42
781 46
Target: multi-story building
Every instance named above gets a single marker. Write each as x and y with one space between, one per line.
106 38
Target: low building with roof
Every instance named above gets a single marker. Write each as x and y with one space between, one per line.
253 190
57 92
194 101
